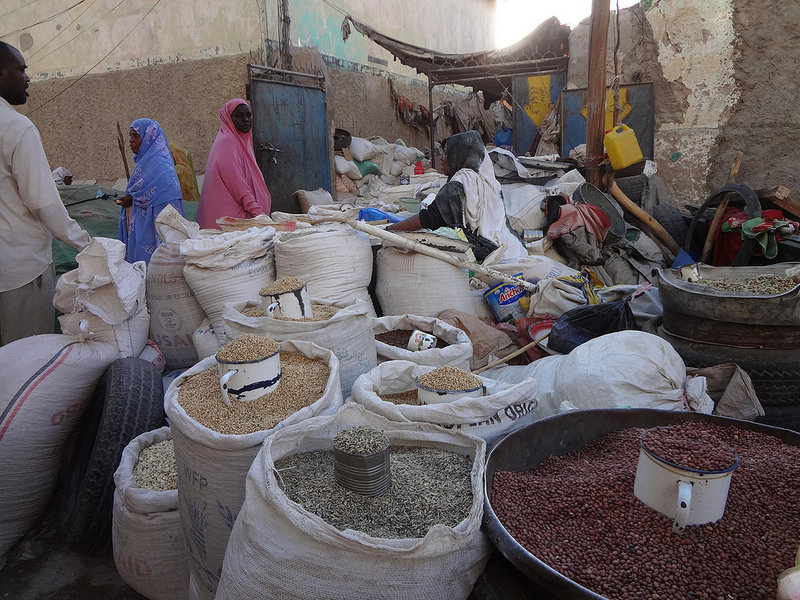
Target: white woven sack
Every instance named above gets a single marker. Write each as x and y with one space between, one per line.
205 340
346 167
228 267
130 336
174 310
628 369
335 261
280 550
407 155
363 149
523 203
348 334
457 354
48 381
212 468
410 283
149 550
103 284
503 408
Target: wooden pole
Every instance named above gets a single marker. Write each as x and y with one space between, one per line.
121 143
708 247
514 354
596 90
645 217
431 122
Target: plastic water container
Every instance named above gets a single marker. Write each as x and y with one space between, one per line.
622 147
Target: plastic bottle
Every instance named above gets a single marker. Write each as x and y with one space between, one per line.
419 169
622 147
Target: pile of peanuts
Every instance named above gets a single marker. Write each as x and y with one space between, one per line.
577 513
690 446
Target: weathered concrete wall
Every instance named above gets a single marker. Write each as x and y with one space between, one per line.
765 123
686 48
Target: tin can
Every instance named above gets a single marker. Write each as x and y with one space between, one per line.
420 340
504 301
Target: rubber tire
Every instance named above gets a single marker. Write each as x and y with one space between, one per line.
776 383
633 187
129 401
672 220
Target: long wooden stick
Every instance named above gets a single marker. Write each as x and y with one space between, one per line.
399 240
645 217
121 143
708 247
596 88
514 354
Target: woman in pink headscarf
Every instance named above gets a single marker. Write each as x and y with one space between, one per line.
233 185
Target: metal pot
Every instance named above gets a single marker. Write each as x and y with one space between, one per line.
526 448
707 315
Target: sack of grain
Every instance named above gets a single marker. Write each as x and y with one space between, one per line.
456 354
130 336
212 467
48 381
503 408
348 333
149 550
334 260
280 550
228 267
104 298
205 340
175 312
363 149
410 283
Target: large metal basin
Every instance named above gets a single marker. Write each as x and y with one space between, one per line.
526 448
700 313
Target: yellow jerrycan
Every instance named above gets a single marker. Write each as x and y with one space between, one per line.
622 147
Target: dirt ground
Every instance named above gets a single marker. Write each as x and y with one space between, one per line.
41 568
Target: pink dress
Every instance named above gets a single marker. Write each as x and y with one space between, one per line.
233 184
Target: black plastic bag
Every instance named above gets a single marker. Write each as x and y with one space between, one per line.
585 323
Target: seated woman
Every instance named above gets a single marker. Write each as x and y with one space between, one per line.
152 187
471 200
233 185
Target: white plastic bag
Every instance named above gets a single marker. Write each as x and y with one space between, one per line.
279 550
212 468
627 369
348 334
409 283
48 381
334 260
228 267
149 550
457 354
503 408
363 149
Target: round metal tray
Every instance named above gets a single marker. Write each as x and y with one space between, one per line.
526 448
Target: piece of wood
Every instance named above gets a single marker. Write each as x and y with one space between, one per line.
596 89
414 245
787 205
514 354
645 217
779 192
121 144
708 246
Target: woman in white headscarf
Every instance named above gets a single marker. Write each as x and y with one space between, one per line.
471 199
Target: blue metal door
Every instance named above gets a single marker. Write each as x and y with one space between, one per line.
290 133
534 97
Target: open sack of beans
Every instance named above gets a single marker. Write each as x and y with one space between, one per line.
104 298
48 382
627 369
390 390
228 267
216 444
345 328
300 535
392 334
334 260
149 550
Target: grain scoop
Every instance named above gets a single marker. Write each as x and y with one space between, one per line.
361 460
684 476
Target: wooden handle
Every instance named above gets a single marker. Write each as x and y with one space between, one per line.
708 246
645 217
514 354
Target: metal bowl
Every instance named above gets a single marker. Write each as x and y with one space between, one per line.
526 448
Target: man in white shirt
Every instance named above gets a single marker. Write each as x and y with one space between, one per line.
31 213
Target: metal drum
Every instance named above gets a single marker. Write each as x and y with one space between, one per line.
526 448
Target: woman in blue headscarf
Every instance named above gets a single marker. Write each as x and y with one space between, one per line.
152 187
